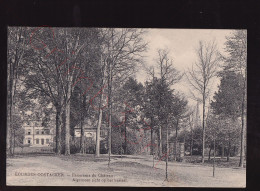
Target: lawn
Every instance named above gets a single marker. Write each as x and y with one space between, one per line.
219 162
87 170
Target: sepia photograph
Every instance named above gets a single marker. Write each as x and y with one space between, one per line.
135 107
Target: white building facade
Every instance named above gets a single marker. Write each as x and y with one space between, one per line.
36 135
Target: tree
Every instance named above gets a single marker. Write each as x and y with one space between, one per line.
160 106
129 100
17 132
150 107
201 75
76 49
86 89
214 129
16 46
166 108
100 112
227 102
236 47
159 99
191 122
43 79
121 50
53 66
179 113
168 76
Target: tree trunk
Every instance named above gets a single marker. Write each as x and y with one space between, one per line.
229 144
242 149
151 146
160 142
13 141
100 110
222 152
203 127
58 108
12 80
125 147
82 136
167 146
98 128
82 140
67 119
58 130
209 153
67 129
214 154
176 139
110 131
11 128
109 113
191 144
121 143
184 140
8 131
11 132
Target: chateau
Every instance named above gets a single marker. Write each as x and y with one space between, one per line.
90 129
36 135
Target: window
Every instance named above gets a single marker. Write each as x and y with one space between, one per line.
29 132
37 132
37 141
47 141
42 132
29 141
42 141
103 133
47 131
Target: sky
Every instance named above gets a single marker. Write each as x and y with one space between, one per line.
182 44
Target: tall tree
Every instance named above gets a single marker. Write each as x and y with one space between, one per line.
167 106
236 47
100 106
16 47
77 44
121 48
191 122
227 102
214 129
201 75
54 66
179 113
160 106
130 97
166 77
150 106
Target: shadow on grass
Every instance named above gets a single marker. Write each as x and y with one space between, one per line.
129 164
83 157
219 162
32 154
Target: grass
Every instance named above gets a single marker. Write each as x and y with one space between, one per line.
32 150
195 159
83 157
219 162
137 170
